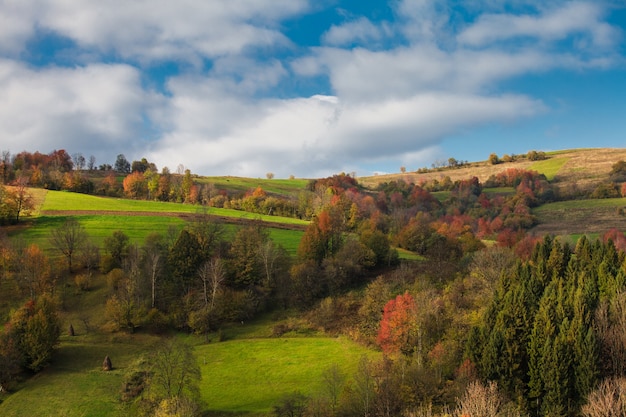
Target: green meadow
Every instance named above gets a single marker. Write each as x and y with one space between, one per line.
66 201
251 376
136 218
274 186
549 167
239 377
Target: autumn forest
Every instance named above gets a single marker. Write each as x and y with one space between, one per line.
465 307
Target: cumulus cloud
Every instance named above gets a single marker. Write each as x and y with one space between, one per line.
16 25
95 109
360 31
215 131
231 106
571 18
148 30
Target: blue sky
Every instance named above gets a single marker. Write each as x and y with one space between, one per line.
310 87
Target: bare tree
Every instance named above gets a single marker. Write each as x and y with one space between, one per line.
607 400
79 161
269 255
333 380
68 239
609 325
21 198
89 256
212 274
484 400
154 262
364 387
176 372
91 165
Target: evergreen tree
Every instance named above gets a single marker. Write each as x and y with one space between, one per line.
184 258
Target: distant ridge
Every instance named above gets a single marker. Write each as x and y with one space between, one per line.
584 167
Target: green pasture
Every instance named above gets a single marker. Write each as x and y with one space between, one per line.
251 376
441 196
238 376
74 384
288 239
65 201
549 167
408 255
98 227
136 218
275 186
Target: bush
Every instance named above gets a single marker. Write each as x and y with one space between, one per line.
536 156
605 190
82 281
493 159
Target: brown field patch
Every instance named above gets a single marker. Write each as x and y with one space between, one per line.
570 221
584 168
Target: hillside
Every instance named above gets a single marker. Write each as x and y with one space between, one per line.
583 167
294 310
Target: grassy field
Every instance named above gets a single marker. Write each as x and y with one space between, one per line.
247 374
582 204
584 167
251 376
65 201
239 377
275 186
549 167
578 217
74 384
102 216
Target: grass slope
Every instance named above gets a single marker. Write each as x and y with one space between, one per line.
251 376
74 384
274 186
102 216
549 167
578 217
61 201
584 167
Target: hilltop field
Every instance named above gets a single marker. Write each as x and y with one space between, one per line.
583 167
577 168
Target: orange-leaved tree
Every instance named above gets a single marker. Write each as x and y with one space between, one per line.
399 330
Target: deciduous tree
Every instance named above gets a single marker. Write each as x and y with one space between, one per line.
176 373
35 329
68 239
398 327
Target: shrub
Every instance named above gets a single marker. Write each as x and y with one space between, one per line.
82 281
605 190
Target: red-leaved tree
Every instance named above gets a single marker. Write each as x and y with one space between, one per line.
398 328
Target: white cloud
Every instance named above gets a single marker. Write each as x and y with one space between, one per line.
162 29
361 31
214 131
95 109
16 25
396 104
573 18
